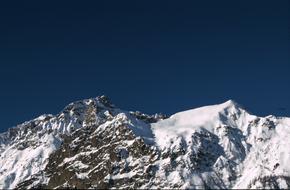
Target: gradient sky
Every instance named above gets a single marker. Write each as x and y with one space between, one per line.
152 56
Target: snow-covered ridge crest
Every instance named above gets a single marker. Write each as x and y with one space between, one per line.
208 117
217 146
71 116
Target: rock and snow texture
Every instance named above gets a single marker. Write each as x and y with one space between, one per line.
93 144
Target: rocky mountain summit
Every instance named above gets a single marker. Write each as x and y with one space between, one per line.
94 144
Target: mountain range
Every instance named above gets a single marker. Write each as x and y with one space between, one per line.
93 144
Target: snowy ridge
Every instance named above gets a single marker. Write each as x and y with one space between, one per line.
248 147
93 144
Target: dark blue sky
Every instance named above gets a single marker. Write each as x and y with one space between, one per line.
152 56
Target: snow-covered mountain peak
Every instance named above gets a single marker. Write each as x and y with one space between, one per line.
231 102
225 107
207 116
236 136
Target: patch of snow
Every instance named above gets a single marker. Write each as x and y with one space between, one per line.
124 175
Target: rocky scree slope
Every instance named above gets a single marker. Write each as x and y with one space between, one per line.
93 144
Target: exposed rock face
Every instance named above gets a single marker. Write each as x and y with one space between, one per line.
93 144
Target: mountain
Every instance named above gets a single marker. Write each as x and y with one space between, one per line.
94 144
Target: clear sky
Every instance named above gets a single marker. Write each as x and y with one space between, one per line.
152 56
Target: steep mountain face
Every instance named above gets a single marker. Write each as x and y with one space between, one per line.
93 144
